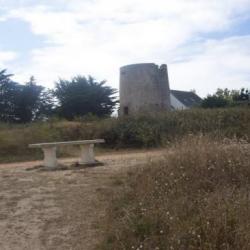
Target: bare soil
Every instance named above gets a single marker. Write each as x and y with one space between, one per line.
58 209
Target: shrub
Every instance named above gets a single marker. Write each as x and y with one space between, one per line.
136 131
157 130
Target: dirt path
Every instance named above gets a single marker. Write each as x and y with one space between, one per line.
59 209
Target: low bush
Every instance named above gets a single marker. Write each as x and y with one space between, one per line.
159 129
195 197
153 130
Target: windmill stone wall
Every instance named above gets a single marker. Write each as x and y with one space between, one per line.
144 88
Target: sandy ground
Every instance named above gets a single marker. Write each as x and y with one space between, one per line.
58 209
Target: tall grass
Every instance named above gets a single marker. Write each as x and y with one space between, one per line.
158 129
138 131
196 197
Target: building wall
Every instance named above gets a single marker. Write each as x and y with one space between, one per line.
144 88
176 104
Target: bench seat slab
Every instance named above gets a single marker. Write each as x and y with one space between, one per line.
51 144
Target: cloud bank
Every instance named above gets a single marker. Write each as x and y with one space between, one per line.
98 36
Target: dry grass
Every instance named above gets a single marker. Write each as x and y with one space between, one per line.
130 132
196 197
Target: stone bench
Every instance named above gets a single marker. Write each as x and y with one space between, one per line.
86 151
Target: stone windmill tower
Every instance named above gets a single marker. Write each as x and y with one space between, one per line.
144 88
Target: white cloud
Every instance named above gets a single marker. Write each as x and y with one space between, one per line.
98 36
223 64
6 57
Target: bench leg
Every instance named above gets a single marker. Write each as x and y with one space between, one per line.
50 160
87 154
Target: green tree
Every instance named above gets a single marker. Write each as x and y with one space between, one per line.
243 95
33 102
8 91
23 103
81 96
224 98
213 101
4 77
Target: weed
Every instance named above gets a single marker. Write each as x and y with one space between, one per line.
197 197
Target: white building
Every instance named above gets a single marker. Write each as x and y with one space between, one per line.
184 99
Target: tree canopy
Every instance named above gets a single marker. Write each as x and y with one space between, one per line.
8 93
81 96
225 98
22 103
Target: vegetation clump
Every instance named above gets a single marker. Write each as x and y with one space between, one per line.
78 97
226 98
195 197
145 131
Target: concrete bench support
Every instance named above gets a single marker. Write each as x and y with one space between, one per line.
86 151
50 160
87 154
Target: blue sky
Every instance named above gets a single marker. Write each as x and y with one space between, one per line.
204 43
18 36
